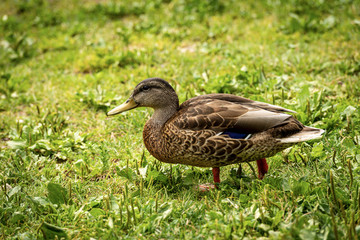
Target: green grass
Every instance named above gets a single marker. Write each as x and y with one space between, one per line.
68 171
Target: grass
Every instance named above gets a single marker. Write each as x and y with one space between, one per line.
68 171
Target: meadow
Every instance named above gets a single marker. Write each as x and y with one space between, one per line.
68 171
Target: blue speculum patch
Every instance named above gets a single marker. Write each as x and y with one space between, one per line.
236 135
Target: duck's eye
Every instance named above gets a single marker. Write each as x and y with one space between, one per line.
145 88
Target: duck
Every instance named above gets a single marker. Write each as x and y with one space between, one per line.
214 130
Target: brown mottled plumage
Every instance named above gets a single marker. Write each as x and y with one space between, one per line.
197 132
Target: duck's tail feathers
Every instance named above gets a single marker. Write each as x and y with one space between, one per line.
308 133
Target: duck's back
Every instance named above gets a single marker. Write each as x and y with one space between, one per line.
222 112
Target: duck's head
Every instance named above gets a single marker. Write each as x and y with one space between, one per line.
155 93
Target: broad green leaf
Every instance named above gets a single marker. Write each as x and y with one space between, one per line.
188 179
143 171
264 227
278 218
349 111
156 175
286 185
113 203
304 95
307 234
126 173
52 232
42 144
17 217
17 144
40 201
317 150
166 213
300 188
13 191
57 194
96 212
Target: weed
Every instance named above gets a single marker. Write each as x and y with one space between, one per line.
15 48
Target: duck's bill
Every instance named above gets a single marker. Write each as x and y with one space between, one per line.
129 104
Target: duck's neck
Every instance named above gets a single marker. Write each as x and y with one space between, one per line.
161 115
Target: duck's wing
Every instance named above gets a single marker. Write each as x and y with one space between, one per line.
236 99
222 112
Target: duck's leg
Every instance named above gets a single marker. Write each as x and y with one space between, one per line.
216 174
262 167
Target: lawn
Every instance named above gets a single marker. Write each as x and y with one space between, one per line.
69 171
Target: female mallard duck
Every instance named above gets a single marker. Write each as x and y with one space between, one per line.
213 130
